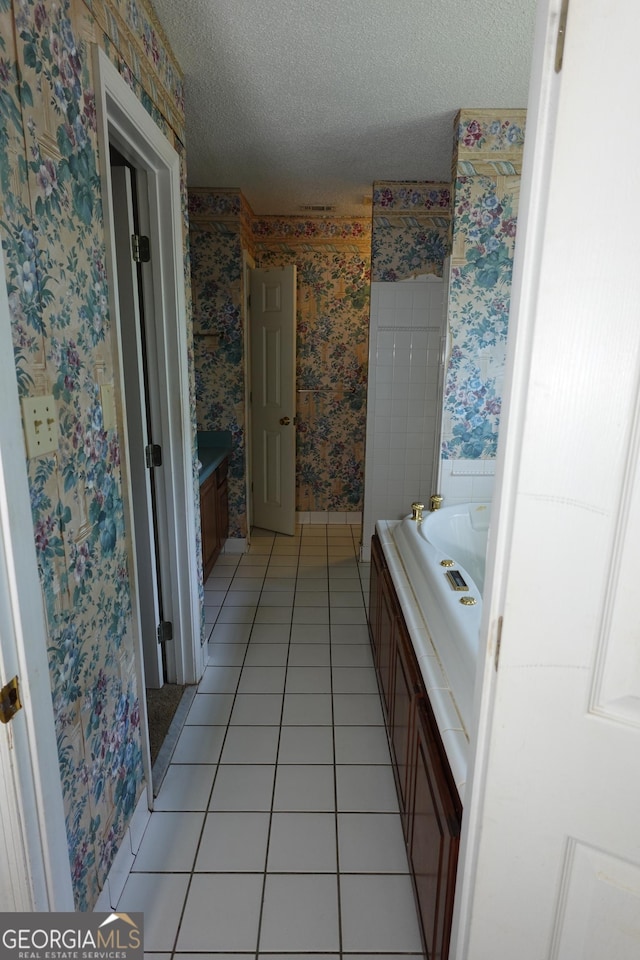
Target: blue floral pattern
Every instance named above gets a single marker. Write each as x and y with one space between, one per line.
484 230
52 231
333 263
475 131
216 269
411 229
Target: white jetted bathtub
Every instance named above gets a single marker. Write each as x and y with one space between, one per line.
444 559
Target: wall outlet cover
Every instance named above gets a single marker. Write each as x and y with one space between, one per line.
40 421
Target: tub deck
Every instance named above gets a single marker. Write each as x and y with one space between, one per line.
444 634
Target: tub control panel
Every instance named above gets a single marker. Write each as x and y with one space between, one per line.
456 580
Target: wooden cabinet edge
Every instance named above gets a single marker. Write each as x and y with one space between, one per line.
421 723
213 514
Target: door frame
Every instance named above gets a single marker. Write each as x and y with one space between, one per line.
133 309
123 121
248 264
35 848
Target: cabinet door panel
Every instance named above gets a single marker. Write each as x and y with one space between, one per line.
222 504
406 687
387 620
209 524
428 798
435 835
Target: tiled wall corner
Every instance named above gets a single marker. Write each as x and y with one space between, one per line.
402 403
466 481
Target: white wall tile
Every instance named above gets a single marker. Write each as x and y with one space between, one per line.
404 296
385 293
421 297
399 413
467 480
386 317
400 439
482 488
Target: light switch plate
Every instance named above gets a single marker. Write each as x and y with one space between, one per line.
40 419
108 406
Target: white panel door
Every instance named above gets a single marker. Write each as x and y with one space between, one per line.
273 406
552 844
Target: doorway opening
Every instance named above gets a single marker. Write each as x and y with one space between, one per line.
142 387
141 176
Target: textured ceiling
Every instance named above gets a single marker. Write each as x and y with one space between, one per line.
309 101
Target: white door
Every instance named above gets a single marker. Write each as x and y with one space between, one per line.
273 406
138 425
35 872
552 860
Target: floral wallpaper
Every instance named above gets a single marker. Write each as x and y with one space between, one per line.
487 159
333 274
411 229
333 261
217 241
134 38
51 226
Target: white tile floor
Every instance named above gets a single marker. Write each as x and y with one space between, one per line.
276 831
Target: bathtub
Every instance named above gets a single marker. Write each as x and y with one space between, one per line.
459 534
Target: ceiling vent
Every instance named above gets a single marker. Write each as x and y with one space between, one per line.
317 207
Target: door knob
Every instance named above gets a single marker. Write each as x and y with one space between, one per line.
285 421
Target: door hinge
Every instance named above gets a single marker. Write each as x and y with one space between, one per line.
140 248
153 455
496 657
10 700
165 631
562 32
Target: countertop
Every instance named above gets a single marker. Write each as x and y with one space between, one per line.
213 447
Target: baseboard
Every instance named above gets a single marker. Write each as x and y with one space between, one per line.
124 858
235 545
329 516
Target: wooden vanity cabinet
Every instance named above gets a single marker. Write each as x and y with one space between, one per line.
407 685
209 523
436 813
429 802
214 516
222 503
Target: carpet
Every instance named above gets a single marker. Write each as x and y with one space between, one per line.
161 707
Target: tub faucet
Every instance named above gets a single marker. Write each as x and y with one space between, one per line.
435 501
416 511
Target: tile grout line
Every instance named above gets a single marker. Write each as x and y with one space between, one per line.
329 563
335 785
218 763
275 767
174 948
